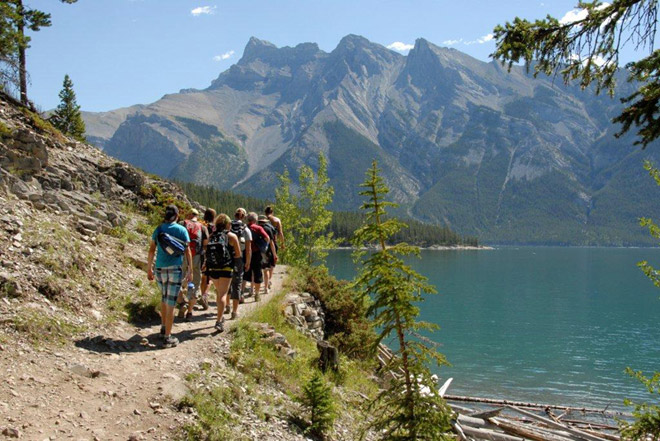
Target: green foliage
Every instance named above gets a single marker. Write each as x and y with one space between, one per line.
347 326
4 131
587 50
646 424
317 398
158 200
410 407
67 117
15 19
221 200
306 216
139 306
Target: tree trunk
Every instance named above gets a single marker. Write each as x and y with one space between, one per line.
329 356
22 71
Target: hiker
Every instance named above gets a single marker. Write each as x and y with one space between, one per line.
260 243
208 221
269 258
277 223
198 237
222 250
169 242
245 239
279 242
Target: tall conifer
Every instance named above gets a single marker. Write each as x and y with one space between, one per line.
410 408
67 117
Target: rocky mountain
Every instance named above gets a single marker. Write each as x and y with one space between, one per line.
500 155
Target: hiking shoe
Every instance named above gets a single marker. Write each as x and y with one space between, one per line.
162 332
234 315
170 342
220 325
227 309
270 284
189 316
204 301
241 300
182 311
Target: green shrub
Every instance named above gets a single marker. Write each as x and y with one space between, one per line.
39 327
346 324
317 399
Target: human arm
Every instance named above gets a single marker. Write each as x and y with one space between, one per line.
189 275
235 244
273 250
150 260
248 254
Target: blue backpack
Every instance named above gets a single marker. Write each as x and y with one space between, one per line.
171 245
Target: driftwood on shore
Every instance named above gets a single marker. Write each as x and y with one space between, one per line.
508 420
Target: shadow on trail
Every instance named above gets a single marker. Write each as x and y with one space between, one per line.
140 343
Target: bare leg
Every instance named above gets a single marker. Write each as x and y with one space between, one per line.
221 287
167 313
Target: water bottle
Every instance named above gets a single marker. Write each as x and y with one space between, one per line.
191 290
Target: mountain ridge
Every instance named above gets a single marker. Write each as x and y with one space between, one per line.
461 141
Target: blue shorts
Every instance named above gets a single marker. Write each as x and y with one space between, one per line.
169 281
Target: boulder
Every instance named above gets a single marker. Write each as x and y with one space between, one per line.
128 178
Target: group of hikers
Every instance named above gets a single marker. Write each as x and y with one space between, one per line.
194 254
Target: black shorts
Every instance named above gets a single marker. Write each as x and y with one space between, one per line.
219 274
268 261
255 269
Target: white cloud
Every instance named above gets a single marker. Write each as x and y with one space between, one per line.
203 10
400 47
485 39
452 42
224 56
578 14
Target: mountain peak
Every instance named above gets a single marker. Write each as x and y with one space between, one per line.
256 48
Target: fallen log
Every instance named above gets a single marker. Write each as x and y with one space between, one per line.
489 434
533 433
576 432
532 405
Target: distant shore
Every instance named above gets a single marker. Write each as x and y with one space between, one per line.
436 248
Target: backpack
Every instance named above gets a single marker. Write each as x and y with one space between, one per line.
171 245
238 228
218 255
259 241
195 233
270 230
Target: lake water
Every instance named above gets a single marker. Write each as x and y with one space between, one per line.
551 325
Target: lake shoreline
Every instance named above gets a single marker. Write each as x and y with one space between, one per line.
433 248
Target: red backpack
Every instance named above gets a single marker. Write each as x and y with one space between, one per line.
195 233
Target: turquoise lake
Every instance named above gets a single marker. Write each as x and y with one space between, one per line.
550 325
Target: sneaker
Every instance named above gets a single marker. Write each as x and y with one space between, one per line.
204 301
220 325
234 315
227 309
170 342
270 284
162 332
241 300
189 316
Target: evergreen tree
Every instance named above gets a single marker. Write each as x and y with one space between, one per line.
587 50
306 216
67 117
317 398
410 408
15 19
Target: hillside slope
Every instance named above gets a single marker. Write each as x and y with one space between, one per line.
81 356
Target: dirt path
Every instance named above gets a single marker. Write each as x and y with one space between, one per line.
118 385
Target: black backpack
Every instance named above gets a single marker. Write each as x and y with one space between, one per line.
218 255
238 228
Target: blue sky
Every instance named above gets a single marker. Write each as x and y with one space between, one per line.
124 52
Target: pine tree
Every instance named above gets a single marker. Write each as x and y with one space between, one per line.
587 50
67 117
317 397
16 18
410 408
306 216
